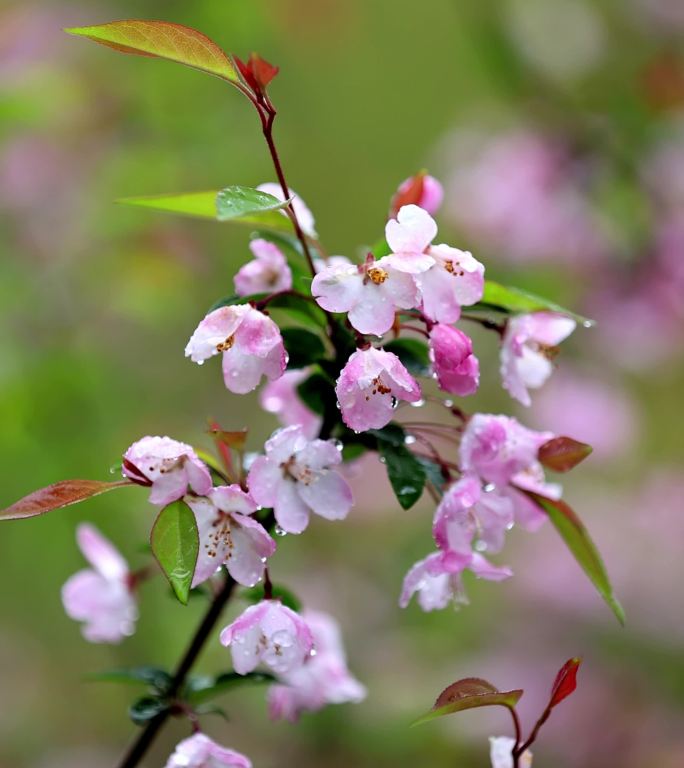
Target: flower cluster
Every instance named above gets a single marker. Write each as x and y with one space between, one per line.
416 291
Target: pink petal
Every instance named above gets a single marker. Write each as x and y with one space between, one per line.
101 553
328 495
412 231
291 512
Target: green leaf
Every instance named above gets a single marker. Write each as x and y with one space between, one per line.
303 347
516 301
58 495
175 544
155 677
286 596
237 202
163 40
317 393
469 693
147 708
405 472
393 433
413 353
433 473
242 205
578 541
198 204
204 687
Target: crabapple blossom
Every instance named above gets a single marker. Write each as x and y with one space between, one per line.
504 453
304 215
199 751
281 398
501 753
453 362
527 349
169 467
369 386
250 341
268 633
297 477
424 190
267 273
323 679
447 278
227 534
370 292
437 578
466 511
101 596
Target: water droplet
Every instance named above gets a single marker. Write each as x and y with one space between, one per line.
409 440
338 444
313 652
418 404
588 324
280 531
489 488
448 403
114 469
510 526
200 362
480 545
383 460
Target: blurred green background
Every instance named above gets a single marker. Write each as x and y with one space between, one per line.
98 301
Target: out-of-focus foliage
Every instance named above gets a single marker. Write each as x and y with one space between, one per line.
556 126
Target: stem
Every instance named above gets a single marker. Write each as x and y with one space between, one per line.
267 128
516 752
144 741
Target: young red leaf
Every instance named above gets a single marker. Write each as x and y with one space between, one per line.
58 495
565 682
256 72
164 40
561 454
578 541
469 693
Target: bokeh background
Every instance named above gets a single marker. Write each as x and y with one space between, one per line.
557 127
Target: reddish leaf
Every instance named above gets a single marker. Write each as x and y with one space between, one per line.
58 495
164 40
469 693
257 72
565 682
561 454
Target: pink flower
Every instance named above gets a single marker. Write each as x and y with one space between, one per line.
304 215
268 633
447 278
250 341
228 535
281 397
527 350
296 477
504 453
323 679
370 292
428 190
369 387
456 367
501 753
199 751
437 579
101 597
467 512
267 273
169 467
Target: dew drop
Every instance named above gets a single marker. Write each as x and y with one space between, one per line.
383 460
418 404
280 531
480 545
489 488
448 403
114 469
409 440
338 444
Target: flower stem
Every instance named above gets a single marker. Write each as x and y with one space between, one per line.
267 128
146 738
